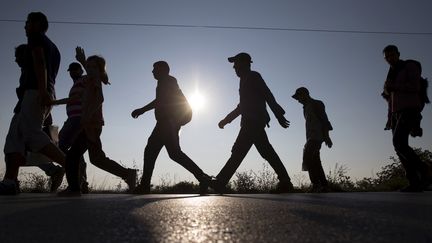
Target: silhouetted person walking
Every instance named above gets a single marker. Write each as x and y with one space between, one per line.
171 112
71 126
403 86
254 95
25 132
91 125
317 132
55 172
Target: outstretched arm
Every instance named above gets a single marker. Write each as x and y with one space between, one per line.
137 112
68 100
230 117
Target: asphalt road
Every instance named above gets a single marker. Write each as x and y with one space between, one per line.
332 217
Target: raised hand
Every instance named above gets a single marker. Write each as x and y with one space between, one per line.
80 54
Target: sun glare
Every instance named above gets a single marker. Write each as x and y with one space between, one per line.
197 100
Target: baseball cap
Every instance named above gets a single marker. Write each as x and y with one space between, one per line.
300 91
74 66
241 57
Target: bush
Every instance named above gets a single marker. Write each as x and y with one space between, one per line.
250 182
181 187
391 177
34 183
338 179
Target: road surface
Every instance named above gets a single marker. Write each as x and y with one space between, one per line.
331 217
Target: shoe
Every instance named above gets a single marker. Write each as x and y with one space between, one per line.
283 188
56 179
217 186
141 189
412 188
9 188
204 184
69 193
131 179
85 188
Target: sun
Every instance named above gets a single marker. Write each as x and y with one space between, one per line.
197 100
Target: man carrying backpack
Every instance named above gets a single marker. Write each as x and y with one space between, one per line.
171 111
406 101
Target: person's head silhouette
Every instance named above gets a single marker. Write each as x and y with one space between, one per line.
242 63
160 70
391 54
20 55
301 95
75 70
36 22
96 68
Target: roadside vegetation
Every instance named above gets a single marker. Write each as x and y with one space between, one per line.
390 177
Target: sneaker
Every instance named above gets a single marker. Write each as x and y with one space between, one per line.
141 189
131 179
9 188
204 184
411 188
69 193
56 179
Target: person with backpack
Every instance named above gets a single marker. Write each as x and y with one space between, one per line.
254 96
171 111
317 132
403 87
416 131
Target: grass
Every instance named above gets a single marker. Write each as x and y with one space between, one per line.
391 177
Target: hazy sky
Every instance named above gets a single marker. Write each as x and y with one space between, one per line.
345 70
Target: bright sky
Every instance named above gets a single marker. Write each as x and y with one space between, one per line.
345 70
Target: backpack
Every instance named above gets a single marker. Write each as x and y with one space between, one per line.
424 84
182 110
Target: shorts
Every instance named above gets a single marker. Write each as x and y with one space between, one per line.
25 131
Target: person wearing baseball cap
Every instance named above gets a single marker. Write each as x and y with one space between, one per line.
72 125
241 57
74 66
317 132
254 95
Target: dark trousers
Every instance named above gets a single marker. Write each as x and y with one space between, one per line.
67 135
166 134
312 163
89 139
252 134
416 170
